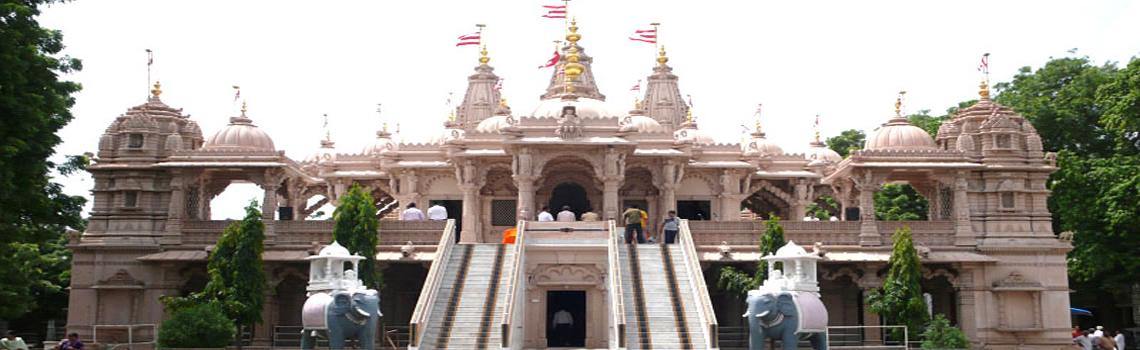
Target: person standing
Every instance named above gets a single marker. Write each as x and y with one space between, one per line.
545 214
1084 341
1119 338
566 214
437 212
562 324
670 226
12 342
644 223
633 229
71 343
590 215
412 213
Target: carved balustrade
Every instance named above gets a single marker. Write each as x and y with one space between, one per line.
931 233
204 232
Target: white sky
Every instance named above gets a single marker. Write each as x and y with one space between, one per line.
843 60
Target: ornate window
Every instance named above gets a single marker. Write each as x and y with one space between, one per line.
1004 141
130 199
135 141
1007 200
503 212
945 203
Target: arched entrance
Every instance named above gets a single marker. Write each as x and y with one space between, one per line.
569 194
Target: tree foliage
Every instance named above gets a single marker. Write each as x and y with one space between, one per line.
927 122
34 211
899 301
738 282
237 283
356 229
847 141
900 202
1102 206
941 335
197 326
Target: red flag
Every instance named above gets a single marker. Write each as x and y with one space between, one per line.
554 11
553 61
651 41
985 66
469 39
647 36
499 85
636 87
553 7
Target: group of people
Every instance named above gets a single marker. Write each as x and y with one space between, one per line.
634 218
566 215
435 212
12 342
1090 339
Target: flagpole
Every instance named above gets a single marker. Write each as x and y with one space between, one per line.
986 68
656 38
481 26
566 20
149 61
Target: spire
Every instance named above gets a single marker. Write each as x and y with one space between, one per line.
575 68
663 101
480 100
899 118
242 119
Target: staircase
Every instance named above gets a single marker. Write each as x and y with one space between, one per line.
659 303
468 308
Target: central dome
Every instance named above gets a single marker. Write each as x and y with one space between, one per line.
240 134
898 134
584 107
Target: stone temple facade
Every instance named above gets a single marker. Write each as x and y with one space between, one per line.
991 261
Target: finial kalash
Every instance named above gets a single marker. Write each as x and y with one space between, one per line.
157 89
339 304
483 59
572 68
662 59
788 304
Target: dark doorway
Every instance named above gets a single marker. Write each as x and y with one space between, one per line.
694 210
560 330
571 194
290 299
454 211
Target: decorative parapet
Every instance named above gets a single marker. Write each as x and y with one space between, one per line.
747 233
305 232
925 153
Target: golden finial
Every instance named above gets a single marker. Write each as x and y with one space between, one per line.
636 103
328 135
484 59
451 116
757 124
503 101
898 104
573 36
243 108
689 114
985 90
662 59
157 89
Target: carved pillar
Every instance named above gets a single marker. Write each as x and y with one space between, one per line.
176 210
472 226
204 197
963 229
967 293
868 229
803 199
268 211
668 197
526 209
868 283
610 197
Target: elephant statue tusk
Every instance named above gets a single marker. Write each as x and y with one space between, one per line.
762 314
362 313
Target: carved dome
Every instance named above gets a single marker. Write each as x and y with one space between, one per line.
327 152
643 124
759 145
446 136
334 250
693 135
899 134
584 107
790 250
381 144
240 134
818 152
495 124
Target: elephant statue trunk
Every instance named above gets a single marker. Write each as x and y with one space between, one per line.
341 316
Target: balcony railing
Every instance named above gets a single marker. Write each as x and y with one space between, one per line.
931 233
306 232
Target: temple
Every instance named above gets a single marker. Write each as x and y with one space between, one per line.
990 260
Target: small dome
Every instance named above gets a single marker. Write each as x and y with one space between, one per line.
643 124
240 134
334 249
759 145
790 250
381 144
494 125
445 136
817 151
899 134
584 107
327 152
693 135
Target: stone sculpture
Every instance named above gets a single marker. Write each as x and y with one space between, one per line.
787 306
339 307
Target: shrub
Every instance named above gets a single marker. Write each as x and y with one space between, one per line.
197 326
941 335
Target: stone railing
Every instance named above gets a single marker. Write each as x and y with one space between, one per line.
931 233
307 232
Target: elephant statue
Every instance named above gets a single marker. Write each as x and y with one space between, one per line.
786 316
341 315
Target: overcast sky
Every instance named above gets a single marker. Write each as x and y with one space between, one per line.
295 61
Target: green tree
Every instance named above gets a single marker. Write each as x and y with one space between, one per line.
356 229
1060 99
1121 99
941 335
822 212
198 326
899 301
739 282
900 202
34 211
237 283
929 123
847 141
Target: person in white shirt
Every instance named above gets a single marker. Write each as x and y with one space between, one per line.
566 214
562 324
545 214
437 212
1082 340
1099 332
1119 338
412 213
833 218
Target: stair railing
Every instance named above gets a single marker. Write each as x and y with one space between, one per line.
515 295
693 264
617 298
419 321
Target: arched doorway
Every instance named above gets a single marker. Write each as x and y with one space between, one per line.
572 195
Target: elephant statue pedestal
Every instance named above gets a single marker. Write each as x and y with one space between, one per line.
787 316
